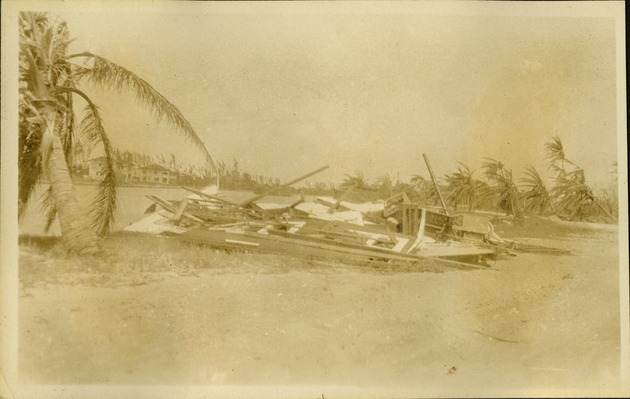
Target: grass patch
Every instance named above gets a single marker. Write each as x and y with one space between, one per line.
130 259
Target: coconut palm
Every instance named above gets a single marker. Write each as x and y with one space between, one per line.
503 186
49 82
574 199
463 188
555 154
357 181
536 197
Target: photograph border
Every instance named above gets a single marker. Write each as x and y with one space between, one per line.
9 386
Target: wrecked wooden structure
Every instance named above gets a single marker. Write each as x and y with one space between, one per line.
394 230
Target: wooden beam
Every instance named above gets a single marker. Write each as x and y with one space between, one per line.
296 203
168 206
212 197
309 247
177 217
437 188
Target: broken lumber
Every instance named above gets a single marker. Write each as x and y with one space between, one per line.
168 206
437 187
208 196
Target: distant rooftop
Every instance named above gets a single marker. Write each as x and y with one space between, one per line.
155 166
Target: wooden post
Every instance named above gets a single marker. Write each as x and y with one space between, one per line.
177 218
437 188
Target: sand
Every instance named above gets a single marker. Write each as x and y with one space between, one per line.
531 324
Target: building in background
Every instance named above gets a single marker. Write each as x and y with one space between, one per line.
127 173
154 173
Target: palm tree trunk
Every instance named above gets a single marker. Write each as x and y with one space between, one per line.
76 233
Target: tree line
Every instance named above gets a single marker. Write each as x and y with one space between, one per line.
494 188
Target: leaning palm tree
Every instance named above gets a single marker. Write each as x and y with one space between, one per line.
49 83
536 196
573 198
555 154
463 188
508 197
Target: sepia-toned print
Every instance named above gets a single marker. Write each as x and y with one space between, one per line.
314 199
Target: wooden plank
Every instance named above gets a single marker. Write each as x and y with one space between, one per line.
212 197
302 247
420 236
337 204
168 206
391 211
267 213
362 249
177 217
335 247
435 184
296 203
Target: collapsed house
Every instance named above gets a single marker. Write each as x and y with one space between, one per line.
394 230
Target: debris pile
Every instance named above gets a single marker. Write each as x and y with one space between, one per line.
393 230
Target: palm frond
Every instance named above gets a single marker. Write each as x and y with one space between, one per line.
504 189
554 150
463 188
416 179
103 207
493 169
107 74
29 160
574 199
536 195
33 102
555 153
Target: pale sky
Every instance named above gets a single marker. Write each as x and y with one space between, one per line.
286 88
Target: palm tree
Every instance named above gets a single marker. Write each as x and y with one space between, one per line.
504 188
49 81
463 188
536 196
357 181
574 199
555 152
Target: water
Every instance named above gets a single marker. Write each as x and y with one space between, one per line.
132 204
